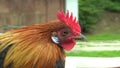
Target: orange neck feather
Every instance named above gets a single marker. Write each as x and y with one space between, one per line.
32 46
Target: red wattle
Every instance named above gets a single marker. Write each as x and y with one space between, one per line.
68 45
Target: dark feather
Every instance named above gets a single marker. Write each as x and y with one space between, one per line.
2 56
60 64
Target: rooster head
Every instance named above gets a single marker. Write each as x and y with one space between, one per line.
65 36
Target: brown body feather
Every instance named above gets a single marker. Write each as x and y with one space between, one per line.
32 46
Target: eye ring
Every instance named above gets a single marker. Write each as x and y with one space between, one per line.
65 33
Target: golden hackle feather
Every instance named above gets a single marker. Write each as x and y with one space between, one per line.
32 47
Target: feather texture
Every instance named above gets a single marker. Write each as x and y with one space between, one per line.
32 46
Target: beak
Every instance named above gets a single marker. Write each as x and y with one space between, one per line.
80 37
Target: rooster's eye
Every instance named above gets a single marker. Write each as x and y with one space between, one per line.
65 33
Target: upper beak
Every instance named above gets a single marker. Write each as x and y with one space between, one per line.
80 37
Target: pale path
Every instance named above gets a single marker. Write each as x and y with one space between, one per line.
100 43
92 62
97 49
97 46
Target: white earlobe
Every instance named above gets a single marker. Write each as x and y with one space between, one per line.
55 39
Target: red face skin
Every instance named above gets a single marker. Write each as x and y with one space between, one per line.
66 39
68 44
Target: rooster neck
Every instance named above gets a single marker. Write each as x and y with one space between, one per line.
32 46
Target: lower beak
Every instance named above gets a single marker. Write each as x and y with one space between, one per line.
80 37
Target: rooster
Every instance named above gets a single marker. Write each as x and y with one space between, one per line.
41 45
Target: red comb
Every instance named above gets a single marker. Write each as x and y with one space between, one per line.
68 20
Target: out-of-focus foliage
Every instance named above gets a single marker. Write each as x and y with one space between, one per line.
114 6
91 11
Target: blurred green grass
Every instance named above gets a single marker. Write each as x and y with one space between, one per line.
115 53
103 37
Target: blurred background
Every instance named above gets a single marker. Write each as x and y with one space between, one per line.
100 18
18 13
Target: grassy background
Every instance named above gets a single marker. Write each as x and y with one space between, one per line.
114 53
107 29
103 37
